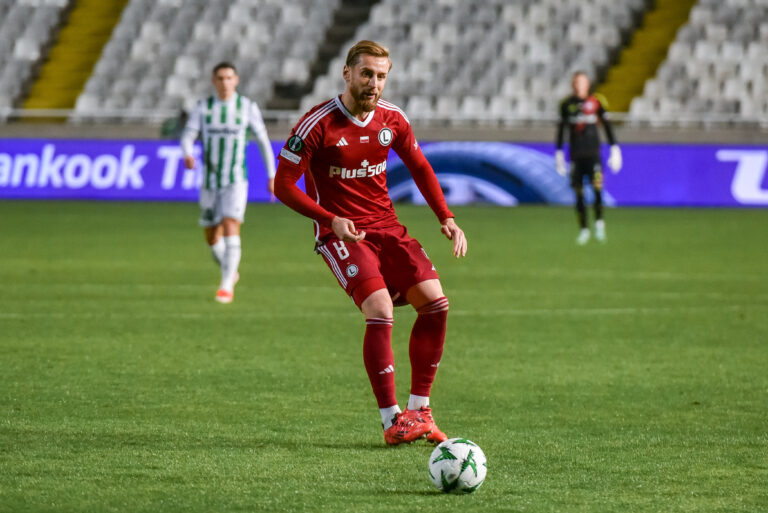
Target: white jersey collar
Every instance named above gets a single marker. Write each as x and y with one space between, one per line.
232 99
352 118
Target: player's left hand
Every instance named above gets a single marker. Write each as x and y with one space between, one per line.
451 230
271 189
614 160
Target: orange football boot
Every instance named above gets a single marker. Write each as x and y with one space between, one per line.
224 296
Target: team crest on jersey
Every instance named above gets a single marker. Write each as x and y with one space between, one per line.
385 136
295 143
352 271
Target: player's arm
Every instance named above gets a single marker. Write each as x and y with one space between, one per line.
256 124
561 125
615 158
292 163
560 137
406 146
189 135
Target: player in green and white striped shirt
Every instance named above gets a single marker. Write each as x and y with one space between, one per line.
223 121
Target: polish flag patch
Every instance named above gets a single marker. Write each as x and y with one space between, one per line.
364 138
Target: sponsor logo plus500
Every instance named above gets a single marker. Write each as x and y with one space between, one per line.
365 171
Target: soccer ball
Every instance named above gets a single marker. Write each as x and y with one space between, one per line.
457 465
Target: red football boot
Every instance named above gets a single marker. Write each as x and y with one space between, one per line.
435 435
406 429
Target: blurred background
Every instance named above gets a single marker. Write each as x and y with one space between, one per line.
673 71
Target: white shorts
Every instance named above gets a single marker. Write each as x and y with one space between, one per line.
229 201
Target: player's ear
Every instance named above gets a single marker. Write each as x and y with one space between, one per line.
346 73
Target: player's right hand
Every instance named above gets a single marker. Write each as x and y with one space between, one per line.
560 163
451 230
189 162
345 230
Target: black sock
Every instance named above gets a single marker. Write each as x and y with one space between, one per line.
598 204
581 209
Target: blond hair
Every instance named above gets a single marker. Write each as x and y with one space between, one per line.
366 47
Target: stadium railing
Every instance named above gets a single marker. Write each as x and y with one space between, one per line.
428 119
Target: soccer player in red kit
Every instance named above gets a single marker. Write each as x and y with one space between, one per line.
341 147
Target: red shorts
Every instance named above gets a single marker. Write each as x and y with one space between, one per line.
390 254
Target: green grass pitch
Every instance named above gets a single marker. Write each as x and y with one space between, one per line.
626 377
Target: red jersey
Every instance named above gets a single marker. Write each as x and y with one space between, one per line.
344 163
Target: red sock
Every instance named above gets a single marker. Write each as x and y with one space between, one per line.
426 346
379 360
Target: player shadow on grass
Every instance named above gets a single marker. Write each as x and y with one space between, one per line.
328 444
422 492
174 440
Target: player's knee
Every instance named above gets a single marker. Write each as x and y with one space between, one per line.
373 299
435 306
230 226
211 236
378 304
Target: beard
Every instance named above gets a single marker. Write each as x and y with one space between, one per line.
366 103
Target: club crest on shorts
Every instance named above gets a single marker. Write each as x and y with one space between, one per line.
385 136
352 271
295 143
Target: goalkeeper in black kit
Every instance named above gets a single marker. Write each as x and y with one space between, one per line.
580 113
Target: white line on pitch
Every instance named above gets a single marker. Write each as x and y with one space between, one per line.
352 314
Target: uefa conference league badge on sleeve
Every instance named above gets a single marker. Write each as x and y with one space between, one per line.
294 145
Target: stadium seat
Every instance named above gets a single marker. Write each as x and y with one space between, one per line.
420 106
473 106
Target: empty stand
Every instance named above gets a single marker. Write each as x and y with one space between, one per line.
488 60
26 30
641 58
717 67
72 56
161 52
495 61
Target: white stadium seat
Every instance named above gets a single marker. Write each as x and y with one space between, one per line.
26 49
